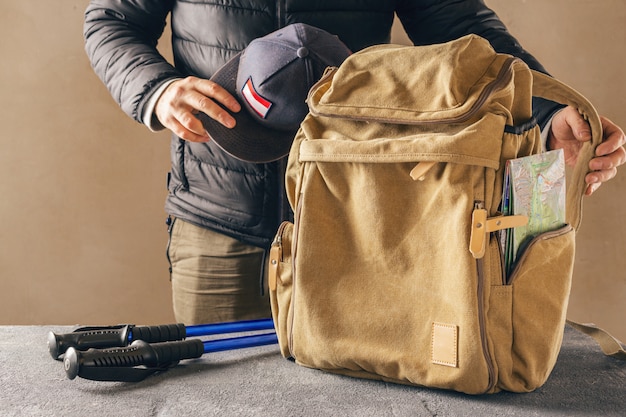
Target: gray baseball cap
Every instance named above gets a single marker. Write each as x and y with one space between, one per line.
271 79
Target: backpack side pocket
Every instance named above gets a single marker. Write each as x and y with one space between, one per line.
529 312
280 283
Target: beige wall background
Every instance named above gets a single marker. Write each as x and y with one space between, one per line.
82 187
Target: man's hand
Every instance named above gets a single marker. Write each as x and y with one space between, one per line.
569 130
183 99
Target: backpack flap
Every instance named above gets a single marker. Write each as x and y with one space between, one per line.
415 85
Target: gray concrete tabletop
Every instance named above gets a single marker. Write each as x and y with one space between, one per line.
260 382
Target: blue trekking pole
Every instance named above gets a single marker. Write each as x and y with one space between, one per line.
141 359
125 334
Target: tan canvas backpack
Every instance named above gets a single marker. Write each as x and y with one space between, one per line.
392 269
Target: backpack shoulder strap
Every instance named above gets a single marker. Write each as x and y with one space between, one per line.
609 345
555 90
552 89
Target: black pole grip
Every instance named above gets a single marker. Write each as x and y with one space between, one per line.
88 337
160 333
112 336
119 364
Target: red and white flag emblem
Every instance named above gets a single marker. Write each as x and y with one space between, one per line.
260 105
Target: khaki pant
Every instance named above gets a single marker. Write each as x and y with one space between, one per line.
215 278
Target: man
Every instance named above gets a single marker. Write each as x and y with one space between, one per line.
225 211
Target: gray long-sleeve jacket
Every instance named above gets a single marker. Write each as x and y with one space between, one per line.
208 187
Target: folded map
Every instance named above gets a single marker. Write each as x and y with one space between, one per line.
534 186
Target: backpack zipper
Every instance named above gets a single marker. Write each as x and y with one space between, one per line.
543 236
294 254
480 269
276 256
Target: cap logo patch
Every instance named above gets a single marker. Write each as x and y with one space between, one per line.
260 105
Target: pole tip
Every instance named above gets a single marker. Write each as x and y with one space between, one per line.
71 363
53 345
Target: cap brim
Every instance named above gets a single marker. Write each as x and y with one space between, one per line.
248 141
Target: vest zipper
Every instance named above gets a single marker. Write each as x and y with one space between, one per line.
280 14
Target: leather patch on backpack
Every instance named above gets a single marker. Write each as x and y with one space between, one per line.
443 349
